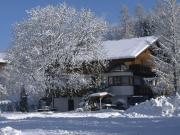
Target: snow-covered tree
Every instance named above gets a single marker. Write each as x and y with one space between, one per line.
3 91
113 33
127 25
125 29
54 47
166 53
140 25
144 24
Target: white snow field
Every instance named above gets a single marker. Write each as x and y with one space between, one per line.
99 123
159 116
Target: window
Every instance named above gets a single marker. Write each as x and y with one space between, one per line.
120 80
124 80
116 80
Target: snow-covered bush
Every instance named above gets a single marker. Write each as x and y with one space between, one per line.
7 105
3 90
84 104
10 131
79 110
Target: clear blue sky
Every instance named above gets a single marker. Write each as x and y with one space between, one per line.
12 11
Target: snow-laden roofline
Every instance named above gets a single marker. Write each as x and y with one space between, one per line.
127 48
2 58
100 94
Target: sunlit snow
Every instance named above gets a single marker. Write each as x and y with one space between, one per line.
155 117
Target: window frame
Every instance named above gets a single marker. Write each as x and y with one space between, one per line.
118 80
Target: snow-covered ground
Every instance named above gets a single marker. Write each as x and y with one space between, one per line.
155 117
96 123
161 106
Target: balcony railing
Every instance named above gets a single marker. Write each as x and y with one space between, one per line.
143 70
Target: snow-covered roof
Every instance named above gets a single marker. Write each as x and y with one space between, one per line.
2 58
100 94
127 48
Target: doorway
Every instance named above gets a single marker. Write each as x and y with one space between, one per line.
70 104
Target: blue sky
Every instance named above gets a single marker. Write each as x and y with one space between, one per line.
12 11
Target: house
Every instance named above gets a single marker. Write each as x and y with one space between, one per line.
3 62
130 68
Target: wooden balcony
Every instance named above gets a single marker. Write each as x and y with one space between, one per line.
142 70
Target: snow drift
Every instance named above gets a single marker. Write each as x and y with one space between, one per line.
161 106
9 131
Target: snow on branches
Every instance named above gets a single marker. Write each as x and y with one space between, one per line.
52 47
167 55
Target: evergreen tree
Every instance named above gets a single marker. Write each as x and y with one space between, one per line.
126 26
144 23
23 104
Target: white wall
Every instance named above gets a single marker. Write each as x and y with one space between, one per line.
61 103
121 90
